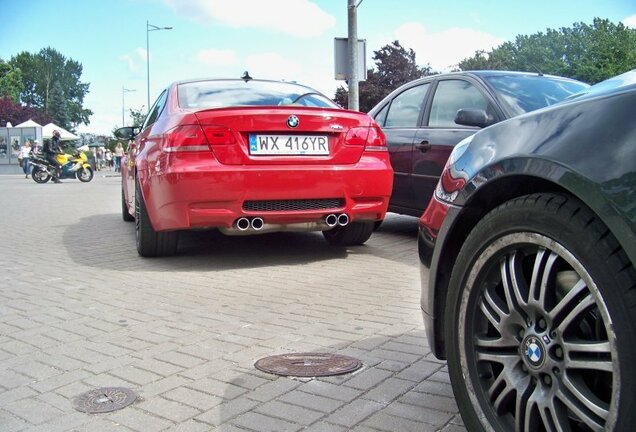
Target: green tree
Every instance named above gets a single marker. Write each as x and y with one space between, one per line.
589 53
58 106
41 72
138 116
394 66
10 81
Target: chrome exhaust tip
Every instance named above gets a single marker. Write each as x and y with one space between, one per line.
242 224
343 219
331 220
257 224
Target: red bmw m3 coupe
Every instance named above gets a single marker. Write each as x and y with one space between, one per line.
252 156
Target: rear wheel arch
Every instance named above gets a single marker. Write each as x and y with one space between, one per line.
481 202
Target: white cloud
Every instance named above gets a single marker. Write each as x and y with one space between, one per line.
272 66
214 57
444 49
630 21
134 59
301 18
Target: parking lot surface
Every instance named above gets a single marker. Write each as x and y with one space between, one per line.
80 310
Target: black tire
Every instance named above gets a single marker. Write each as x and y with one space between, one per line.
85 174
352 234
125 214
151 243
39 175
553 351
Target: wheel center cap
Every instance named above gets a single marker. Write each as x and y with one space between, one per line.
533 352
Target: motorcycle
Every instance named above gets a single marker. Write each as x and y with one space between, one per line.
73 166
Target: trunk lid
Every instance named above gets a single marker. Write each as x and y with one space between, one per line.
262 135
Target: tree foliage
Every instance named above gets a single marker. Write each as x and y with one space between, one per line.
10 81
589 53
394 66
17 113
52 82
137 116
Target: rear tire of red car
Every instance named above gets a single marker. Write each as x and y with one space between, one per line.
125 214
539 321
352 234
151 243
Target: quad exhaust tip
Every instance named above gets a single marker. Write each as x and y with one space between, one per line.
331 220
257 224
343 219
243 224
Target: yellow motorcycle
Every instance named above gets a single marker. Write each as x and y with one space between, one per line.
73 166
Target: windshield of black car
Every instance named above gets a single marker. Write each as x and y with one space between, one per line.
525 93
220 94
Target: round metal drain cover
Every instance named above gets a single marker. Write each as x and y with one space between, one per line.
308 364
103 400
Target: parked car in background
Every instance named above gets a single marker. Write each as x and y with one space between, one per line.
248 157
531 291
424 119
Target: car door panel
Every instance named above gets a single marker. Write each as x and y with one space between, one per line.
434 141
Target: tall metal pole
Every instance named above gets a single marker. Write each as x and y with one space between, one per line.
149 28
148 64
124 91
353 55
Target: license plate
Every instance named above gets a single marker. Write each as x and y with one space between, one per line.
296 145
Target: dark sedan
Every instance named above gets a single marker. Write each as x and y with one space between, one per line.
424 119
531 292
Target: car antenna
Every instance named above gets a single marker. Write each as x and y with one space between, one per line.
537 69
246 76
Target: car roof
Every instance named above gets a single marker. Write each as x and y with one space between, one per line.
493 73
195 80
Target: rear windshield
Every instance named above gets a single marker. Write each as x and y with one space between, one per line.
525 93
219 94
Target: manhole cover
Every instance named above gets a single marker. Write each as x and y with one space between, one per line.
103 400
308 364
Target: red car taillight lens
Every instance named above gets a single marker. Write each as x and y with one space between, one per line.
219 135
185 138
371 138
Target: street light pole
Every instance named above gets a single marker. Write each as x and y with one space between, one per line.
124 91
353 103
149 28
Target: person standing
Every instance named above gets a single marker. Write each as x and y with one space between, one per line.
51 149
119 153
25 153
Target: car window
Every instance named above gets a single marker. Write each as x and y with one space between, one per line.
525 93
381 115
450 97
156 109
228 93
405 107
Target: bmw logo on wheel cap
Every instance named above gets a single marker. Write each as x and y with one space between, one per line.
292 121
534 351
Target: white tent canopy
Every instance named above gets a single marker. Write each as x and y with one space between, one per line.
29 123
47 132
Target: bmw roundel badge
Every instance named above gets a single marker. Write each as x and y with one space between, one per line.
534 351
292 121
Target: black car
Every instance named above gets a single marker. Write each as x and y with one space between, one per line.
531 292
424 119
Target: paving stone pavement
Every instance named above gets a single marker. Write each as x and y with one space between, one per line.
79 309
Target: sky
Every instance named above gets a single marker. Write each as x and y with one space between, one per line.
289 40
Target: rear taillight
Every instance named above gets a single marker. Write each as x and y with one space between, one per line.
218 135
370 137
187 138
453 179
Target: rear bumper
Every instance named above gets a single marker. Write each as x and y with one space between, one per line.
192 196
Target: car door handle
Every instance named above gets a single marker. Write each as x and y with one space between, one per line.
424 146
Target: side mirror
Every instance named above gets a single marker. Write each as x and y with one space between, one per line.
127 133
473 117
